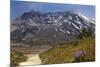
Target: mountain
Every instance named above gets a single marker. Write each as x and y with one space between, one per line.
51 26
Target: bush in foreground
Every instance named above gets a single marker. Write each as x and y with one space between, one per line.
16 57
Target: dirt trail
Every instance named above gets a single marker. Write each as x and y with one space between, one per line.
32 54
33 59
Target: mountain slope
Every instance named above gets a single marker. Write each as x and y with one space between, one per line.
56 26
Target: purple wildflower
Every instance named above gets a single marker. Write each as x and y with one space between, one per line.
79 54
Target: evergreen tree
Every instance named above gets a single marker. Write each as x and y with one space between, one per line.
85 33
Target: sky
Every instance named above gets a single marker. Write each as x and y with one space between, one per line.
20 7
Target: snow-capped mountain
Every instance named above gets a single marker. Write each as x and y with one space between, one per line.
61 26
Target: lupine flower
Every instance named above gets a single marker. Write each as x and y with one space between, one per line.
80 55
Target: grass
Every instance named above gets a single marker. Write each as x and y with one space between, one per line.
16 58
63 53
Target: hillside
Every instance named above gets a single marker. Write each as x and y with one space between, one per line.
63 53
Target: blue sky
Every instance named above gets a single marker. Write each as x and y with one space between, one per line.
20 7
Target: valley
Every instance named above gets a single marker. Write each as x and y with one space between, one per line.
52 38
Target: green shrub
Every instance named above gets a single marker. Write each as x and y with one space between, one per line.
16 57
86 33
